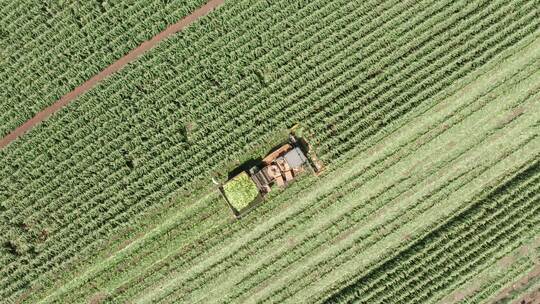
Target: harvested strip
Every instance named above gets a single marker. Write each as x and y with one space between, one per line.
527 287
325 261
138 115
273 237
504 272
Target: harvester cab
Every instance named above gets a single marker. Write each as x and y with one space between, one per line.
280 167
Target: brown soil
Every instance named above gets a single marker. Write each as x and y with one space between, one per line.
534 273
532 298
113 68
98 298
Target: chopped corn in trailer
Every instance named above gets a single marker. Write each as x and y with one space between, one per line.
244 191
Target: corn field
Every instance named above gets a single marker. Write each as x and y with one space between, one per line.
425 114
48 48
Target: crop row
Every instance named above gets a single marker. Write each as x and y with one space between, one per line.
89 194
274 238
252 246
300 214
503 273
49 51
319 240
145 275
290 258
427 87
463 269
243 13
458 241
299 278
343 256
167 163
181 258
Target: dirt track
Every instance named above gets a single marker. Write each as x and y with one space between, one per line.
113 68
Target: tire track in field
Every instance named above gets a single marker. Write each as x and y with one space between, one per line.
111 69
354 263
258 261
310 261
494 75
526 287
514 161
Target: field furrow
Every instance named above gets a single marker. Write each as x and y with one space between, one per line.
421 111
300 241
49 49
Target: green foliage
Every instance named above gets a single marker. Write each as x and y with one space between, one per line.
450 255
240 191
47 48
349 71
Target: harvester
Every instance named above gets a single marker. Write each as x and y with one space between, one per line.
246 190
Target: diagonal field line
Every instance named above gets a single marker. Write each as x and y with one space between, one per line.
111 69
78 281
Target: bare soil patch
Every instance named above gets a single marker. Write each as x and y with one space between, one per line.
534 273
97 298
